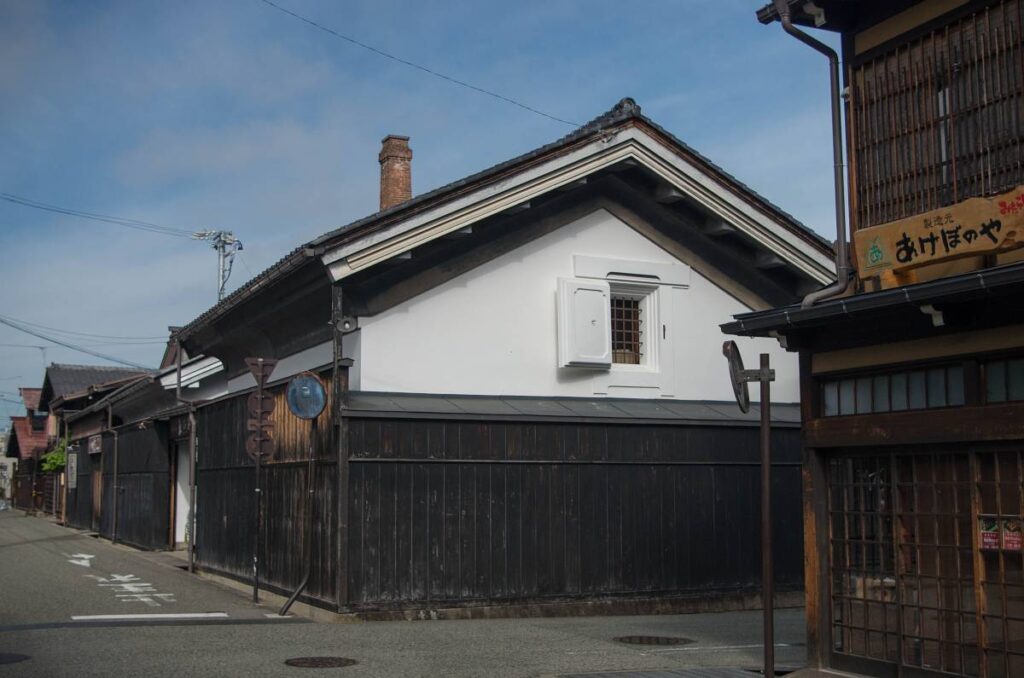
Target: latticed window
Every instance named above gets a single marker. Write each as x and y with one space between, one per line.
627 329
940 118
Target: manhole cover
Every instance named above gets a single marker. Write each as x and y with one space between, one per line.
319 662
11 658
653 640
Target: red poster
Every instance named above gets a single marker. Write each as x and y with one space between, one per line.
989 531
1011 535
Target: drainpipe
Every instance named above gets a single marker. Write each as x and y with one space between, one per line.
110 426
844 273
190 532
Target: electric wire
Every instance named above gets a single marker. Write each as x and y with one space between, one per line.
78 334
117 221
411 64
73 347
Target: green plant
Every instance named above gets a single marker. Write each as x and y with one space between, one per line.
55 459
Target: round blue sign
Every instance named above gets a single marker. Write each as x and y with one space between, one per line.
306 396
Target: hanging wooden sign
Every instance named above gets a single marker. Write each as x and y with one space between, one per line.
969 228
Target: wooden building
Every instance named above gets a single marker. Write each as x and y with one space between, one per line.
66 390
26 442
527 405
912 378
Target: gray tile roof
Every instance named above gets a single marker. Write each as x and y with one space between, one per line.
64 380
624 111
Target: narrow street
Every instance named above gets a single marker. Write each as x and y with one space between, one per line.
76 605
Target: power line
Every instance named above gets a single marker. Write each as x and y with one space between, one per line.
73 347
117 221
220 239
436 74
78 334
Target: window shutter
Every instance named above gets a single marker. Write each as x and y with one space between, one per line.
584 332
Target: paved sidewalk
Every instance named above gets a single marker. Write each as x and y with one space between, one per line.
42 591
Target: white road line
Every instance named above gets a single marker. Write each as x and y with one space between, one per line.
713 648
143 617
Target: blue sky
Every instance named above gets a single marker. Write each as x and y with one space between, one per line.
233 115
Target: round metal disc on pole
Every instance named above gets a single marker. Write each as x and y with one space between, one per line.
739 387
306 396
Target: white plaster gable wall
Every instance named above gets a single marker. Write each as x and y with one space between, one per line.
309 359
492 330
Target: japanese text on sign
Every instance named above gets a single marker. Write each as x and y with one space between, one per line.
970 228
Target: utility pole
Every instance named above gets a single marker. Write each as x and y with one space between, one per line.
226 245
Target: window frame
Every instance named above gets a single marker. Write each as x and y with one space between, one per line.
648 296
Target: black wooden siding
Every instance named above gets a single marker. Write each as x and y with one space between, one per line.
144 486
453 512
470 512
23 482
144 479
79 507
225 504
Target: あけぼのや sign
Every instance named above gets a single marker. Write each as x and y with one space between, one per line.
969 228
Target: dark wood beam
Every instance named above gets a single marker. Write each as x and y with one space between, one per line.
981 423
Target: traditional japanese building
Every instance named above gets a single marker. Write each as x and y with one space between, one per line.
526 411
912 366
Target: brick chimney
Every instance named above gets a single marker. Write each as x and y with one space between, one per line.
395 171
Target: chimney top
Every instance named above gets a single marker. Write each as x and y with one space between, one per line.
395 171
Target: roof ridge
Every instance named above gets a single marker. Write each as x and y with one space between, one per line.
625 109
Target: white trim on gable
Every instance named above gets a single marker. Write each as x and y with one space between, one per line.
626 144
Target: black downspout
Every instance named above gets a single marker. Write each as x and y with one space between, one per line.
844 272
114 491
190 530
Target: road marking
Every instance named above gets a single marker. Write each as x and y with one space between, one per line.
130 617
130 589
82 559
713 648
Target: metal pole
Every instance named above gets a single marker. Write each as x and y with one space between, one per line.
310 506
256 551
190 538
219 246
115 492
767 581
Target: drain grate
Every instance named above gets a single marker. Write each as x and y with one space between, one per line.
320 662
653 640
12 658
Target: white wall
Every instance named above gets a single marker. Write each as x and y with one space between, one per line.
493 330
309 359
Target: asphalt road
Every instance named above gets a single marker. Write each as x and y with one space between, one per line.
59 589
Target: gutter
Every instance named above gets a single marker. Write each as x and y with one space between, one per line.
190 520
110 427
844 272
978 283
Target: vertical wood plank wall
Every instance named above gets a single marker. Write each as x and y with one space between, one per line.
466 512
79 511
225 508
144 486
454 513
